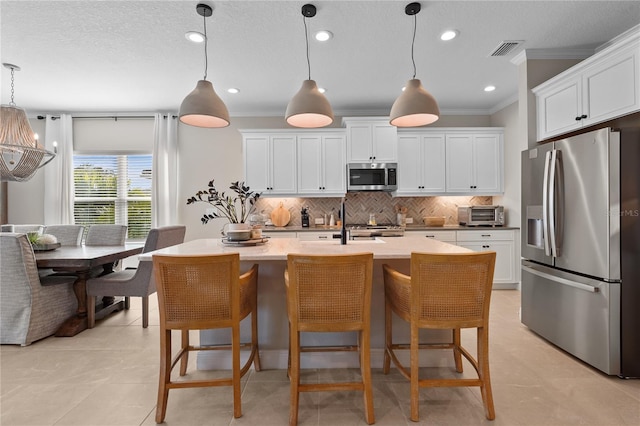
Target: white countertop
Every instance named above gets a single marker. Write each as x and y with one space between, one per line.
278 248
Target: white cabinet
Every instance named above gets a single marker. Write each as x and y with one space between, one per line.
270 163
502 242
600 88
321 165
421 164
371 140
474 163
446 236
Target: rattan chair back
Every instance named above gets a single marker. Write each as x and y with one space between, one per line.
198 292
330 293
451 290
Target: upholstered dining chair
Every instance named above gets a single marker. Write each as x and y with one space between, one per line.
204 292
31 308
134 282
21 229
106 235
67 235
444 291
329 293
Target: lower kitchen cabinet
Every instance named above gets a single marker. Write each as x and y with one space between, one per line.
317 235
279 234
502 242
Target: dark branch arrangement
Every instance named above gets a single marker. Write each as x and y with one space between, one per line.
226 206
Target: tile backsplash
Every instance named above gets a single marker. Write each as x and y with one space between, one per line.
360 204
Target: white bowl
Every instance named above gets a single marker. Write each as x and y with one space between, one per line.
239 234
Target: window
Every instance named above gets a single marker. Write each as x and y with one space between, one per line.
113 189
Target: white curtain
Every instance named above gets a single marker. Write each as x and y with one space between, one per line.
58 174
164 205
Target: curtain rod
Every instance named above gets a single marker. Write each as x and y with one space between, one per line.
115 117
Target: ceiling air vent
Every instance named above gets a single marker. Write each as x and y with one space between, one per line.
506 47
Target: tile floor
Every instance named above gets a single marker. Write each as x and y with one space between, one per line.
108 376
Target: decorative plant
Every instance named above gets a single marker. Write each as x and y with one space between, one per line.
225 205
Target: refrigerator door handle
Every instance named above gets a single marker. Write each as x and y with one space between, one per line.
561 280
552 202
545 204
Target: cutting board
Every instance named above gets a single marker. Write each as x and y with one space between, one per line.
280 216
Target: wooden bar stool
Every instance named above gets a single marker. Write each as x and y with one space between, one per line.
444 291
204 292
329 294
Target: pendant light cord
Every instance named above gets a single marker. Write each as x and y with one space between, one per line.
12 103
413 41
306 37
206 39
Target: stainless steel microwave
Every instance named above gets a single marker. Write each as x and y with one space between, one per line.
372 177
481 215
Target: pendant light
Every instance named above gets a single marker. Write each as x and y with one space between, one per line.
20 153
309 108
415 106
203 107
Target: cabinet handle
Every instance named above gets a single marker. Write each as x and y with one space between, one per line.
486 246
578 118
430 236
322 237
486 235
583 116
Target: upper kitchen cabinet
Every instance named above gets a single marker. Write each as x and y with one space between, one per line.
602 87
421 164
474 161
321 164
270 162
371 140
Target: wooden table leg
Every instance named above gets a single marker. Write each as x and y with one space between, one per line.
78 322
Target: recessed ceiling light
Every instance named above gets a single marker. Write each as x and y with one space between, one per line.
194 36
321 89
233 90
323 35
490 88
448 35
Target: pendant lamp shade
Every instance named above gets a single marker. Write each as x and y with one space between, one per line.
309 108
414 107
20 153
204 108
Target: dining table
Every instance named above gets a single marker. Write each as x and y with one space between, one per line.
80 261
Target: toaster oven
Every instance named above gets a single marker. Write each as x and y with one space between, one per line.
481 215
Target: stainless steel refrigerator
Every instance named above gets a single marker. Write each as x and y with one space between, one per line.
581 247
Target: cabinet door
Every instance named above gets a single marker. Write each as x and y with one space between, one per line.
333 165
459 152
385 142
611 89
316 236
560 110
359 143
409 164
504 271
433 164
283 164
256 163
487 163
309 164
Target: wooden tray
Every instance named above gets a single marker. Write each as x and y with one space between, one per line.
251 242
45 247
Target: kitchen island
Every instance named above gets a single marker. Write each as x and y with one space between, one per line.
272 313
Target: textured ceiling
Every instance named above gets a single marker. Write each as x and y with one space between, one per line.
132 56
